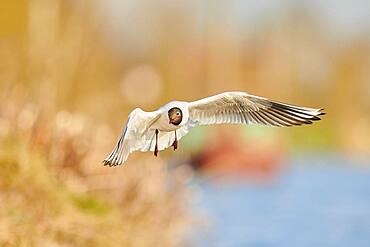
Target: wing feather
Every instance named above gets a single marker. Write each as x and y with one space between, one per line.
137 136
242 108
134 136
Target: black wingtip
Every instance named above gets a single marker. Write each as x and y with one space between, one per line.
321 112
109 163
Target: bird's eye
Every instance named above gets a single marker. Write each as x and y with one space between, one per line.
178 114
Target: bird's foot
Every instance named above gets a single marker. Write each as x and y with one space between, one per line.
175 144
156 143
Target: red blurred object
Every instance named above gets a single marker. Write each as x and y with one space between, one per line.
233 156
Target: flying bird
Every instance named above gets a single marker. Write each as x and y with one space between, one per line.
163 128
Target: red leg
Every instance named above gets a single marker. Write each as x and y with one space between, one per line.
175 142
156 144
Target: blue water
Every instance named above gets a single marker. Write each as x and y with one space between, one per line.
308 204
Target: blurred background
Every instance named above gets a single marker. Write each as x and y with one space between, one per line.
71 71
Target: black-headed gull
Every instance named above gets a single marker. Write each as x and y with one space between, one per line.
160 129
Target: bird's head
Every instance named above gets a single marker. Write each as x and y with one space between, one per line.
175 116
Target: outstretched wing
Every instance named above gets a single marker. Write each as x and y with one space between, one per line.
135 136
242 108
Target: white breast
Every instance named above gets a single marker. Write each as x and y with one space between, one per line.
163 122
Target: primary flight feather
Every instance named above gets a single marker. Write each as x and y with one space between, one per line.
160 129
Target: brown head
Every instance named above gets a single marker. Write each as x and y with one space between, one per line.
175 116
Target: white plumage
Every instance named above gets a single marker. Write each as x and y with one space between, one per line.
139 134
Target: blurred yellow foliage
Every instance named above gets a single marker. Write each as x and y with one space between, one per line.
52 193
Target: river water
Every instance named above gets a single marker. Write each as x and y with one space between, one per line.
315 201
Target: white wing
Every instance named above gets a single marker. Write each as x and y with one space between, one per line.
137 136
134 136
242 108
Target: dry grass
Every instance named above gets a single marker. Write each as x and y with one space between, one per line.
54 133
53 195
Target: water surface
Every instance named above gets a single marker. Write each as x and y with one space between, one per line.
314 202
